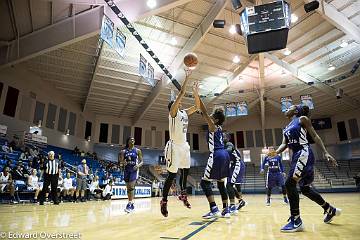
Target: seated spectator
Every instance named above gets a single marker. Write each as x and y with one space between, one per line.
33 184
19 172
76 151
107 193
155 187
7 184
69 189
8 162
94 187
357 179
6 148
29 167
24 156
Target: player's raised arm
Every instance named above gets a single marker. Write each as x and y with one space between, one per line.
175 107
140 157
205 114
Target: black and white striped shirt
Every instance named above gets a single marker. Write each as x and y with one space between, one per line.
51 167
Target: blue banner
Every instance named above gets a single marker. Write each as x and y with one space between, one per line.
107 29
231 110
306 100
150 75
242 109
119 192
120 43
286 103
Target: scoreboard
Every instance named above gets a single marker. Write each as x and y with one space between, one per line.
266 26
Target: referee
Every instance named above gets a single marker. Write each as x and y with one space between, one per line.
51 175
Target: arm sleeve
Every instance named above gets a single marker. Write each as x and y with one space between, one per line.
263 163
281 165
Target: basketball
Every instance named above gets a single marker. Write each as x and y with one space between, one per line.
191 60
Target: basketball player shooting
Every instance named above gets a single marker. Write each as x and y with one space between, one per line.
177 149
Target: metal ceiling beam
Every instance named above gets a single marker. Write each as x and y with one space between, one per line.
233 77
262 89
189 46
133 10
60 34
338 19
319 85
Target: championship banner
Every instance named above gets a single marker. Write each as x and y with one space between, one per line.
120 192
107 29
242 109
286 103
231 110
120 42
150 75
306 100
3 129
142 66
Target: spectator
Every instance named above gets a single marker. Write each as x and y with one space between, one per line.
155 186
69 189
7 184
24 156
34 152
33 184
8 162
6 148
20 173
94 187
29 167
76 151
107 193
81 185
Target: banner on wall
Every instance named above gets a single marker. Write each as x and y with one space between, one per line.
150 75
231 110
286 103
142 66
107 29
120 43
242 109
120 192
306 100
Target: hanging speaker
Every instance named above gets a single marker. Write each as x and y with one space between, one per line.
236 4
219 23
311 6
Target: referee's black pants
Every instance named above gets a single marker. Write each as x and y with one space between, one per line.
49 179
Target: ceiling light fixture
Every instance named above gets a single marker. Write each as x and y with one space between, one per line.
236 59
294 18
173 41
287 52
232 29
344 44
331 67
151 3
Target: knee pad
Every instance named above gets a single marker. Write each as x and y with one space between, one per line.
206 187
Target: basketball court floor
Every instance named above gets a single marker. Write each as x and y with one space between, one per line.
107 220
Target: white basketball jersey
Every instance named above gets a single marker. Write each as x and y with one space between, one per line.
178 127
34 181
4 178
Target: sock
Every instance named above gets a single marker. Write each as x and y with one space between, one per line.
224 205
212 205
183 179
326 206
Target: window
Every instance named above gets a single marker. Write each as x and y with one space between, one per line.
342 131
240 139
103 136
62 120
278 136
269 137
354 128
246 156
1 88
72 122
50 119
126 133
115 134
88 127
195 141
249 139
39 112
11 102
148 138
259 138
138 136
